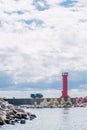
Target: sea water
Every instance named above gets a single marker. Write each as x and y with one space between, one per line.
54 119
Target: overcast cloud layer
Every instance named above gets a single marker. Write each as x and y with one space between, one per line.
39 39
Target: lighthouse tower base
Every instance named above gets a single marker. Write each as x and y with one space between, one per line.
65 102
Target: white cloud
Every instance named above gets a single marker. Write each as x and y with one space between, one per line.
78 93
42 52
47 93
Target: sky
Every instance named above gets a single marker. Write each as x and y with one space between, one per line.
40 39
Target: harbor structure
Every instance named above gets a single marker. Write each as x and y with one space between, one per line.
65 85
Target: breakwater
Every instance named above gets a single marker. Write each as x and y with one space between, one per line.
11 114
30 101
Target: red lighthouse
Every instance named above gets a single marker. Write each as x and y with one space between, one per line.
64 85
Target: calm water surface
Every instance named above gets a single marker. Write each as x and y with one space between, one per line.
54 119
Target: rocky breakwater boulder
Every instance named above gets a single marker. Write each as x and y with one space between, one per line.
10 114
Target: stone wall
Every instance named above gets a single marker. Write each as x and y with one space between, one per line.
30 101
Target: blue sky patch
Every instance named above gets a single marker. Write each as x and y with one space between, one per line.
5 80
17 0
19 12
83 20
36 21
41 5
68 3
